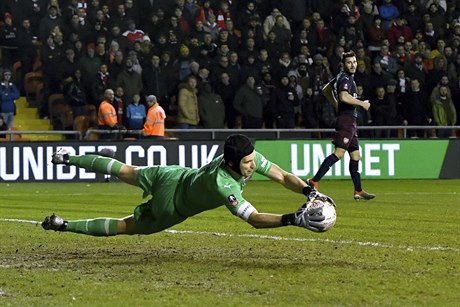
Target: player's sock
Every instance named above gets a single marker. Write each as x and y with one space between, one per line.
94 227
98 164
355 175
325 166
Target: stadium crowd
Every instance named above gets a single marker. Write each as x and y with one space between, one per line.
242 64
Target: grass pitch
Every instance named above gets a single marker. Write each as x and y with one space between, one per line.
401 249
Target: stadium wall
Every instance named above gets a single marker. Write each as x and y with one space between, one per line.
392 159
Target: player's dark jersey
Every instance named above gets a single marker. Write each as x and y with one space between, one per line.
345 82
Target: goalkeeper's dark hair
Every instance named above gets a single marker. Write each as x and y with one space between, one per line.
348 54
236 147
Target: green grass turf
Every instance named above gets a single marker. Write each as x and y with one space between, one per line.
401 249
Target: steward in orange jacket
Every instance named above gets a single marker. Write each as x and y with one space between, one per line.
107 115
154 126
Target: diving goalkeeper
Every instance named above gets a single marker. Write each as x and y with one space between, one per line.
180 192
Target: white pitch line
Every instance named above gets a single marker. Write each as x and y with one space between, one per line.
278 238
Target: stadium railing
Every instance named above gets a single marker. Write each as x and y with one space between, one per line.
11 134
399 132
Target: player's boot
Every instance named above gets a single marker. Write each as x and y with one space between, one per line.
54 222
363 195
313 184
60 157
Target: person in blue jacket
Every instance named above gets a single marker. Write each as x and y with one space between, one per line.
8 95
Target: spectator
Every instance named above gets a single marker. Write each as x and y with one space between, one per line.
117 36
439 71
79 25
120 18
284 100
387 62
75 94
226 90
154 127
444 112
381 112
364 116
220 67
182 63
135 114
103 80
225 38
270 20
283 32
376 35
417 109
268 89
132 11
399 28
254 30
51 57
49 22
8 95
369 12
90 63
319 74
413 16
117 65
389 12
248 102
210 26
130 81
378 77
154 80
188 117
211 108
27 51
416 70
68 67
249 68
325 38
438 18
133 56
431 34
9 42
248 14
133 34
119 104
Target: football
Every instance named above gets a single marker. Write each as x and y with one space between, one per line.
328 212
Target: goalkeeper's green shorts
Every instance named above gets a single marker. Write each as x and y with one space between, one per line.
158 213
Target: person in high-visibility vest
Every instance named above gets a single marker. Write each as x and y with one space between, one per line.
154 126
107 114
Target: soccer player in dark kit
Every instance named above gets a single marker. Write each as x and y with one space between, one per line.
346 137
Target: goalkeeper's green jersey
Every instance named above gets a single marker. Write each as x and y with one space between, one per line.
196 190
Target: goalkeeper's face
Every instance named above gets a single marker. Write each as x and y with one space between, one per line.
247 165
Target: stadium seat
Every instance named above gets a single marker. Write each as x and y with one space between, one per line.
33 84
14 137
61 114
81 124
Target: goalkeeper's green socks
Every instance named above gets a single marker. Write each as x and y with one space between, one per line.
97 164
94 227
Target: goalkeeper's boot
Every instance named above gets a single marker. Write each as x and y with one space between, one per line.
363 195
54 222
60 157
313 184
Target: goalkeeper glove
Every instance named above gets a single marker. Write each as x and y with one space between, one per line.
310 219
314 194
